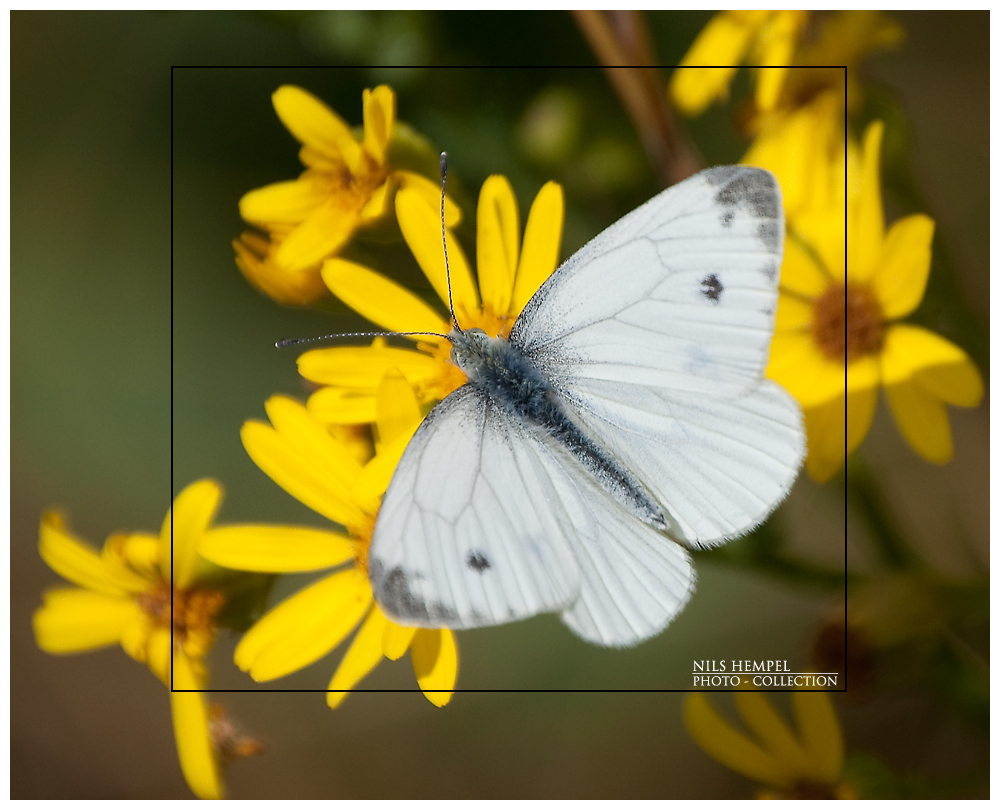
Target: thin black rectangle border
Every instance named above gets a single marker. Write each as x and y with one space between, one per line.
454 690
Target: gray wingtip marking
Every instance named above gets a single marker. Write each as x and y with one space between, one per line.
746 185
392 591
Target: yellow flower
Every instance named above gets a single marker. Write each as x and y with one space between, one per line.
125 597
778 42
836 337
255 259
305 459
508 277
348 184
766 37
806 764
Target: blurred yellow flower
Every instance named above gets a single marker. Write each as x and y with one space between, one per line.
806 763
836 339
798 57
765 37
255 259
321 469
348 184
125 596
509 274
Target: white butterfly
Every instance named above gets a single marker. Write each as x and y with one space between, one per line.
627 414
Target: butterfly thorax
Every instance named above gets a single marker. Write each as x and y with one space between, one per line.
513 382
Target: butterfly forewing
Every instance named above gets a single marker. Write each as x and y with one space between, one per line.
681 293
664 359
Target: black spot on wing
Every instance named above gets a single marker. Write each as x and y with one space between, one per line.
726 218
477 561
711 288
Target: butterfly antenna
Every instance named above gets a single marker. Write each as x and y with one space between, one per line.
444 240
281 344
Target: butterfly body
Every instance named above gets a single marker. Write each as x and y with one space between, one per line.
626 417
514 383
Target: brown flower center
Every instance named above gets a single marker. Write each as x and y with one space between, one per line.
193 610
847 322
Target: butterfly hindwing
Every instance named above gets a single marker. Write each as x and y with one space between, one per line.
470 531
517 528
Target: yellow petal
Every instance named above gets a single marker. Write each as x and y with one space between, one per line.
803 370
378 203
694 88
772 732
316 125
734 750
374 479
859 407
864 235
304 627
257 265
542 240
361 658
901 275
922 419
396 640
802 275
497 241
435 663
139 551
938 365
957 383
793 313
776 45
192 512
362 367
836 428
795 148
300 476
824 230
863 374
821 737
159 650
192 733
309 474
430 192
724 41
398 412
381 300
825 439
73 620
74 560
294 423
135 637
320 235
333 405
421 227
278 549
289 202
379 114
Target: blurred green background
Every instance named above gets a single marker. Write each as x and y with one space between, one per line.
136 343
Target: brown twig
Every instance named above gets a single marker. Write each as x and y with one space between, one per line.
621 43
